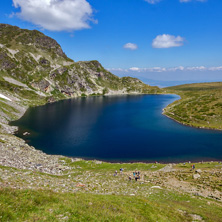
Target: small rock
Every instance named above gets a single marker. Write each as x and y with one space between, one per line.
196 217
156 187
80 185
199 171
196 176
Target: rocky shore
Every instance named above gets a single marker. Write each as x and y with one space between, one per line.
24 167
16 153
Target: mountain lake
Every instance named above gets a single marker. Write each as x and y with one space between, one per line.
126 128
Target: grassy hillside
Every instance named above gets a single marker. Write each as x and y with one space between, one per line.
28 205
88 191
200 105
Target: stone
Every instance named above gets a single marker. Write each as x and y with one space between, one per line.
156 187
196 176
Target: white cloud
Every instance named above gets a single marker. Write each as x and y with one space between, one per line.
152 1
193 0
172 69
134 69
153 69
130 46
179 68
196 68
117 69
167 41
157 1
219 68
56 15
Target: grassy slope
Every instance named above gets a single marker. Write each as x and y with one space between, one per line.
41 205
44 204
200 105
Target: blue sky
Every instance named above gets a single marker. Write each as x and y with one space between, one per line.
173 40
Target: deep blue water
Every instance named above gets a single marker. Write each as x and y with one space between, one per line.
117 128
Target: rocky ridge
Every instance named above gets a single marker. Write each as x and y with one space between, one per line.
34 70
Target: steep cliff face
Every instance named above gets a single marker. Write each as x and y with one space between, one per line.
34 70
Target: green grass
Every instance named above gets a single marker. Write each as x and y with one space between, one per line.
141 202
200 105
39 205
202 166
2 141
98 166
8 110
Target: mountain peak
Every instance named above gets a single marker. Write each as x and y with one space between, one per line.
13 35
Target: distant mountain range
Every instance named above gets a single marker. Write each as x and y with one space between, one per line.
162 84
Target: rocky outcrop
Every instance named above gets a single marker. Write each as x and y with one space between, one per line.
27 37
6 62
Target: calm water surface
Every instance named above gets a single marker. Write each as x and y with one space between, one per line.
117 128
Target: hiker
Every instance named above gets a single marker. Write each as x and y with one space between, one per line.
130 178
193 167
115 174
134 174
137 178
121 170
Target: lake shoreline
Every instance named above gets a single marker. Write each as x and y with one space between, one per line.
13 129
190 125
138 161
16 153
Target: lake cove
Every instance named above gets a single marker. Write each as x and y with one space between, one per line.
117 129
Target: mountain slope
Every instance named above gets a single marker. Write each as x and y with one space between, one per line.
35 70
200 105
38 61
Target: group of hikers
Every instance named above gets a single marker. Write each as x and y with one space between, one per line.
120 170
136 174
